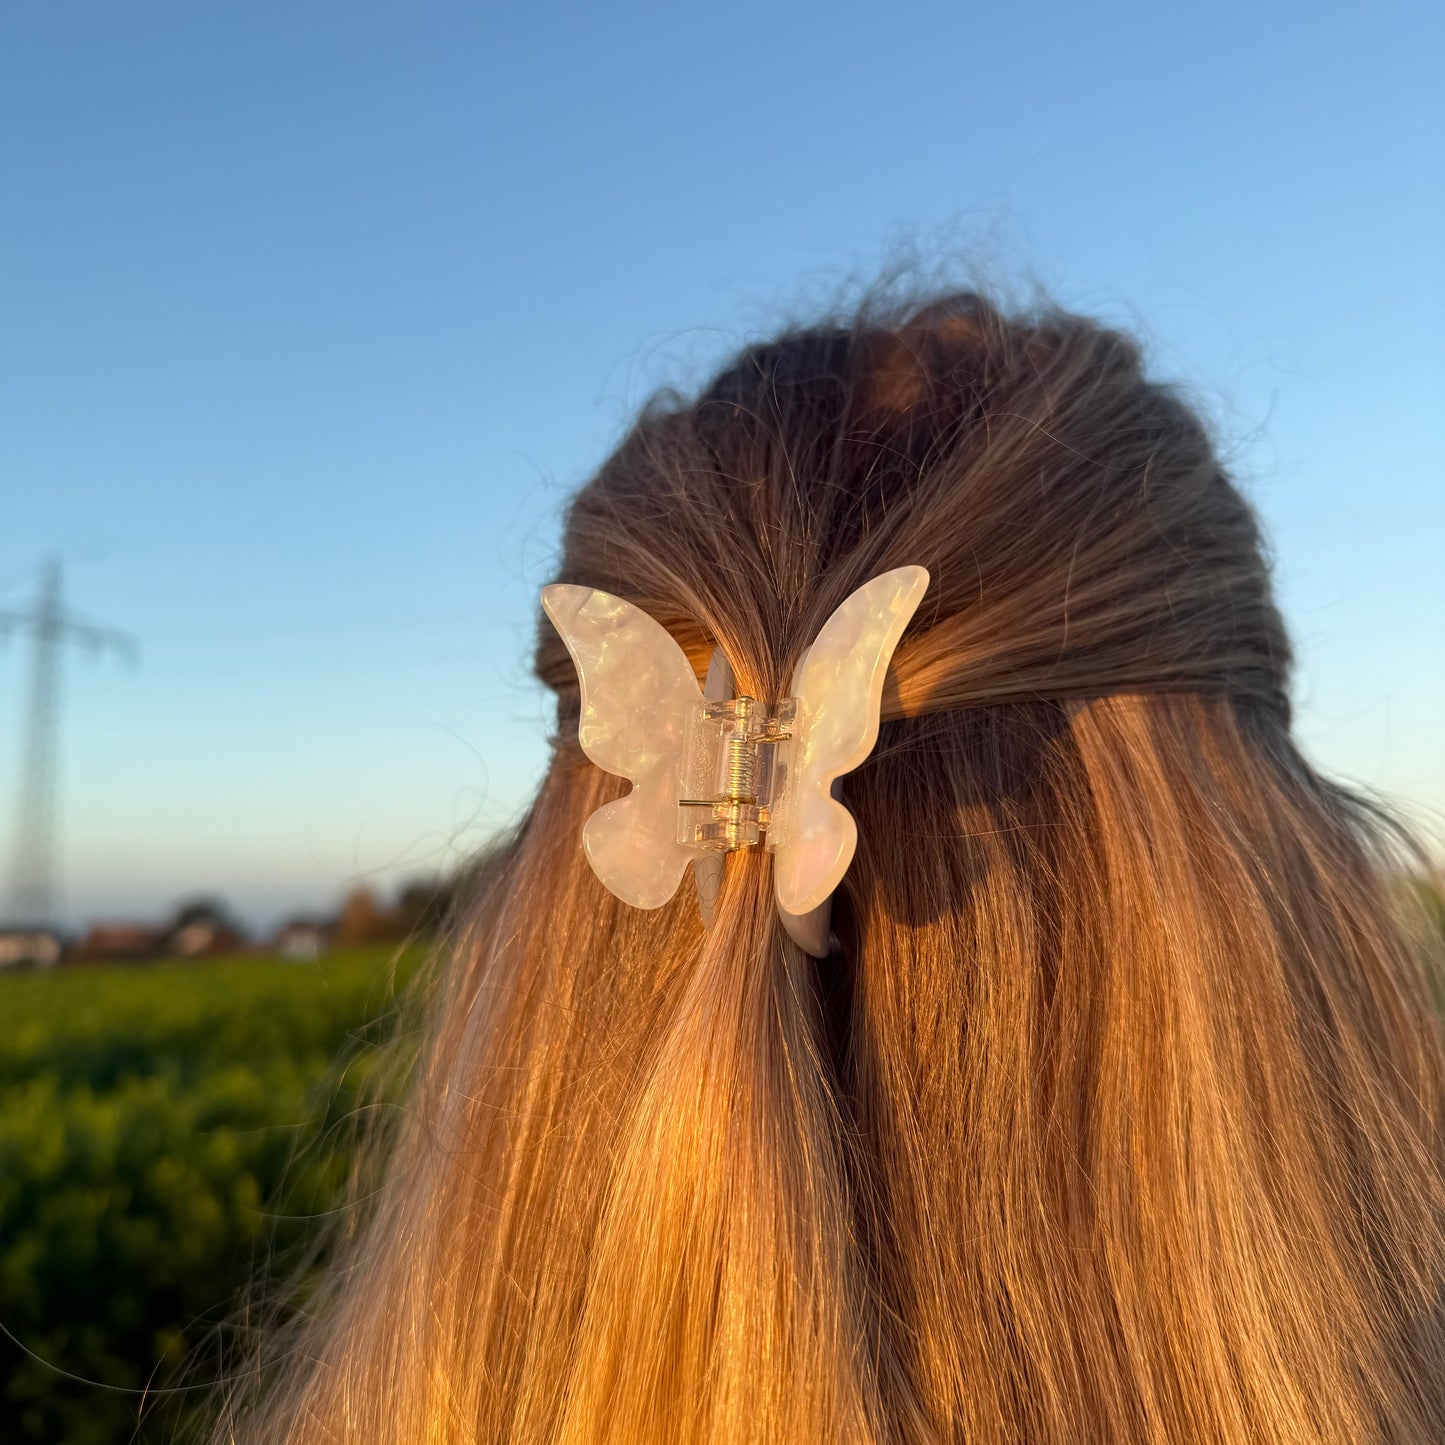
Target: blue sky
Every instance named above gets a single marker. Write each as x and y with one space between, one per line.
311 315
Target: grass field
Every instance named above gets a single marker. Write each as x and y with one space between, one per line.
163 1129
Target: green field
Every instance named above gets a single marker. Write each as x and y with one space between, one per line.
166 1131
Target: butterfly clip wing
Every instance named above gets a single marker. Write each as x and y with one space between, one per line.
637 690
838 685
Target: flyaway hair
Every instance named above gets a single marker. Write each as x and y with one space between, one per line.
1116 1114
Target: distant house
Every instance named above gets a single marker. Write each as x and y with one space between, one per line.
122 940
29 948
302 940
203 928
203 938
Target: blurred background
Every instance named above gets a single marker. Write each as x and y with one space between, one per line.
312 316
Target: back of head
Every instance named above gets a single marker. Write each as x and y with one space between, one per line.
1116 1112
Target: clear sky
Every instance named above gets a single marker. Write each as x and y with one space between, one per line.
312 314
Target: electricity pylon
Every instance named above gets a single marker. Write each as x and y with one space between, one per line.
51 625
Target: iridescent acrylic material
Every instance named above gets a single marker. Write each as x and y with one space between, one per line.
637 690
838 684
713 772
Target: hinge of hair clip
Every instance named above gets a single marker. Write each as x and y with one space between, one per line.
736 761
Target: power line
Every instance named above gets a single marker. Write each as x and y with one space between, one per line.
51 626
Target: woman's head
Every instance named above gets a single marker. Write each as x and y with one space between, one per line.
1081 534
1116 1113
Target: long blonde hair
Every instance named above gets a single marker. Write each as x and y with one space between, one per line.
1117 1113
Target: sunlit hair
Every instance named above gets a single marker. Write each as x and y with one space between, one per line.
1116 1114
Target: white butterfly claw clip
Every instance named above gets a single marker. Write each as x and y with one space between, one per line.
711 771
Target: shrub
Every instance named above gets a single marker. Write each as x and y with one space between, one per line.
163 1130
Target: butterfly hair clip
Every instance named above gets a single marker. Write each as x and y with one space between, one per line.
711 771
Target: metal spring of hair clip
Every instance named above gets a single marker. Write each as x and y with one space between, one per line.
737 756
